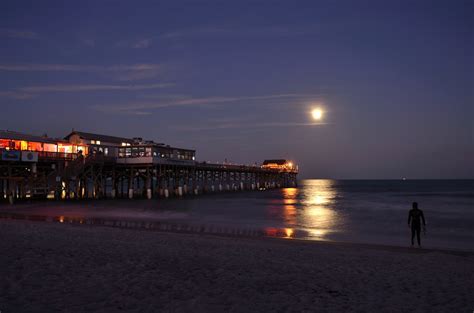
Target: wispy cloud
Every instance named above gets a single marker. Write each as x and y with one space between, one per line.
88 42
32 91
142 44
246 125
137 43
195 32
249 31
131 72
142 113
213 31
98 87
77 68
16 33
48 68
16 95
132 108
242 123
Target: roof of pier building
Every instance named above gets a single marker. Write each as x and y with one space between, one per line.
137 141
277 161
99 137
159 146
13 135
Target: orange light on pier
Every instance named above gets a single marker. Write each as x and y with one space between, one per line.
65 148
283 165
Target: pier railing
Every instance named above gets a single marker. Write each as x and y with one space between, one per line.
241 167
46 155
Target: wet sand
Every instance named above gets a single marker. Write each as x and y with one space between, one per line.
47 267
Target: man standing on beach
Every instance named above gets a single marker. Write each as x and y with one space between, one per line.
415 217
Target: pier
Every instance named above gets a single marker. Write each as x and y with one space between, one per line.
92 166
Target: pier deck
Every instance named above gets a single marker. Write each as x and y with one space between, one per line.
102 177
86 165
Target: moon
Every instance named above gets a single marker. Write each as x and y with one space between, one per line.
317 114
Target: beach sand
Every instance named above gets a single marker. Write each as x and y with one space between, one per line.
47 267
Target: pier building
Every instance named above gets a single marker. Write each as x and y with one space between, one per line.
87 165
280 164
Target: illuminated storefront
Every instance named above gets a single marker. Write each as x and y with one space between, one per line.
155 150
283 165
17 141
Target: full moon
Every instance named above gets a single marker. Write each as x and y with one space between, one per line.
317 114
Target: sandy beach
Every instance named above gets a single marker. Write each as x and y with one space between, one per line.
47 267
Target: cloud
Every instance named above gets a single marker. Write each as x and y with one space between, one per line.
242 123
257 31
31 91
247 125
16 95
48 68
77 68
119 72
138 72
207 101
142 44
88 42
98 87
195 32
141 113
249 31
15 33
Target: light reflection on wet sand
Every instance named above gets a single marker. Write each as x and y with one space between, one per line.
178 227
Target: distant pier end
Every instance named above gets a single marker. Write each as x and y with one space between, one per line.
86 165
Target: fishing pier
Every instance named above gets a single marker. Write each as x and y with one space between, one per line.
93 166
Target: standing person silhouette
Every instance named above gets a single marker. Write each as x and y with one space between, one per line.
415 217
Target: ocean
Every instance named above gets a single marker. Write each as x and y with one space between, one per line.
365 211
362 211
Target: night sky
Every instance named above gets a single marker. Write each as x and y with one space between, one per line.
238 79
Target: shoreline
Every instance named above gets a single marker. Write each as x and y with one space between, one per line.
210 230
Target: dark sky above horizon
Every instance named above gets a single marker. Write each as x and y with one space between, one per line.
238 79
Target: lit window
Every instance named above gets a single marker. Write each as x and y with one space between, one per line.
124 144
97 142
93 142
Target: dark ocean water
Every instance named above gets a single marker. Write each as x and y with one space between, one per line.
365 211
370 211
